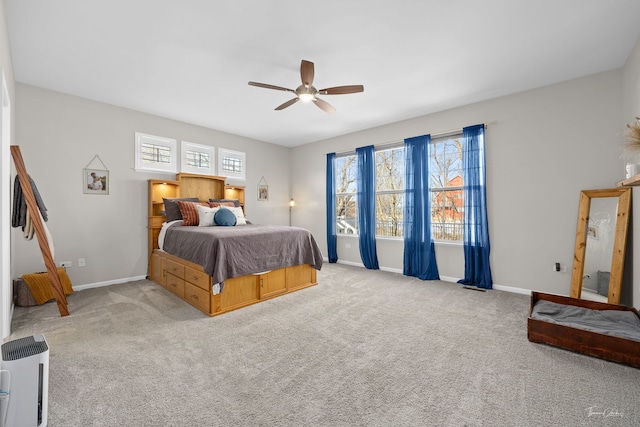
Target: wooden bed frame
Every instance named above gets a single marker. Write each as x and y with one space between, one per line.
186 279
608 347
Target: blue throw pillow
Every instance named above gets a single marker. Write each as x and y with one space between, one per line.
224 217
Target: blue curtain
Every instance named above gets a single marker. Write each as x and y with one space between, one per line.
477 271
332 239
419 250
366 200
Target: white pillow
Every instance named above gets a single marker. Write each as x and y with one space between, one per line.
240 219
205 215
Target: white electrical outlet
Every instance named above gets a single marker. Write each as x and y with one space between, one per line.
81 262
65 264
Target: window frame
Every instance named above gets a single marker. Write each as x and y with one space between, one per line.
401 192
239 155
433 191
200 148
353 194
142 165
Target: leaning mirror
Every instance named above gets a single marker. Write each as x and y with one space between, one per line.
601 240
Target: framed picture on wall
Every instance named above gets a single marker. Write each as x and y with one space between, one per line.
95 181
263 192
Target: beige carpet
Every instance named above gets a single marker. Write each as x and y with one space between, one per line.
363 348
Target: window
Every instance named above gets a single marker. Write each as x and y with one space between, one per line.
446 187
231 164
390 192
155 153
346 212
196 158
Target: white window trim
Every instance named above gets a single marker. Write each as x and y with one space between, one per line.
190 146
223 152
141 138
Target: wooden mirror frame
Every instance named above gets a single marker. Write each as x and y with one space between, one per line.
619 244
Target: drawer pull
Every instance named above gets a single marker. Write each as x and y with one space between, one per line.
194 297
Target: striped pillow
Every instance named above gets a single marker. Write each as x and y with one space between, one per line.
189 212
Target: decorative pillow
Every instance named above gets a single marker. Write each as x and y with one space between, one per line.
205 215
225 202
218 204
240 219
189 212
224 217
171 208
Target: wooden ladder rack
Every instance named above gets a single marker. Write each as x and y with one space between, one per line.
34 212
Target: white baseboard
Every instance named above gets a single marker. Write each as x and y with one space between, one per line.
108 282
443 278
512 289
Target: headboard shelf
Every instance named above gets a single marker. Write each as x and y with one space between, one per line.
204 187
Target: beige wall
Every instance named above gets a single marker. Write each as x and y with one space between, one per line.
547 145
631 109
60 134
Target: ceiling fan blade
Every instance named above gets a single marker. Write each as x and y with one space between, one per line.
266 86
323 105
341 90
288 103
306 72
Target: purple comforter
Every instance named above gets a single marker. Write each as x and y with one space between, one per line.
226 252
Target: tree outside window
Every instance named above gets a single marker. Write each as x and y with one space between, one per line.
445 188
346 208
390 192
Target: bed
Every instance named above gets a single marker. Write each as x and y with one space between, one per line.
222 268
606 331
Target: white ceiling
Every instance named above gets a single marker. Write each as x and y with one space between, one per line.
190 60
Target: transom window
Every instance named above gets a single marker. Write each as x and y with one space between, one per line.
232 164
197 158
156 153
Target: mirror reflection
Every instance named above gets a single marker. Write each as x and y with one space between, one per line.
601 238
601 227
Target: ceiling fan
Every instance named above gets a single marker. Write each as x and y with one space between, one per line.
307 92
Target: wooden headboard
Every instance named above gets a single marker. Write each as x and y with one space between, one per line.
204 187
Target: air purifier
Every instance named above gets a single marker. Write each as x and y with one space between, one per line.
24 382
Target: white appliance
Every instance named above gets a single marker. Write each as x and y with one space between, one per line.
24 382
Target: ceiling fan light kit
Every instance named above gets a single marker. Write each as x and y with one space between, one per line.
306 92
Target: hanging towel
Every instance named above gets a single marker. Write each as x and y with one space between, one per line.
20 215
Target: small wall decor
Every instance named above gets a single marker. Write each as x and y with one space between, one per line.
263 190
631 147
95 181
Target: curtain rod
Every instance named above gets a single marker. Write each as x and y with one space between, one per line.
440 134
